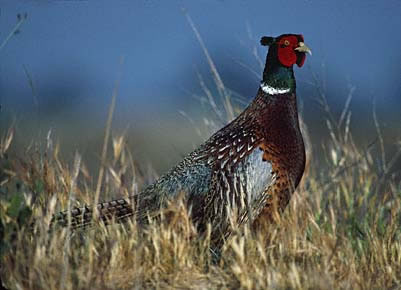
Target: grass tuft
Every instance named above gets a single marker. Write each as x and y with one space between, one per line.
341 229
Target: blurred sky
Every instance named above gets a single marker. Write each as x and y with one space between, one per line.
71 49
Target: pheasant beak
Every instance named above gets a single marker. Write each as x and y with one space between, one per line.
303 48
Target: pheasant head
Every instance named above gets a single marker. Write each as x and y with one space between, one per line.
284 51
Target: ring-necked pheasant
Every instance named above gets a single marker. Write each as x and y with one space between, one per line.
245 172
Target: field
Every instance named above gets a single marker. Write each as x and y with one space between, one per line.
342 228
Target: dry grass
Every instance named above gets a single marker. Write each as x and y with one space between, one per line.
341 230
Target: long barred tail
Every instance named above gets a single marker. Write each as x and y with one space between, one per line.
117 210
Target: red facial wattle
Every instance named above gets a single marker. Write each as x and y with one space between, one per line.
301 59
286 53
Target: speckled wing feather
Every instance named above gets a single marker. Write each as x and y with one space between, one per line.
240 178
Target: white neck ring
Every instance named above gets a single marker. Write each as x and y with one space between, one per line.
273 91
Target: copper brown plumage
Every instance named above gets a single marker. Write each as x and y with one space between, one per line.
243 173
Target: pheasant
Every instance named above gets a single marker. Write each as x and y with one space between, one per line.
245 172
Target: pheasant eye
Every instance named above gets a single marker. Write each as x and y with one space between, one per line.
286 42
